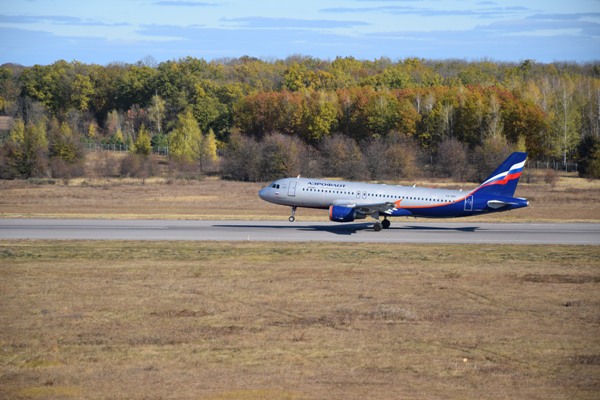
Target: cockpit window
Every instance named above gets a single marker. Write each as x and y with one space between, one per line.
275 186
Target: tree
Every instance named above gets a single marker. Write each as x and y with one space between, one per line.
185 141
280 156
319 115
342 158
242 158
408 118
589 157
142 145
208 151
567 121
400 157
522 118
451 159
81 92
24 154
353 112
66 152
491 153
593 169
374 152
135 86
295 78
382 114
469 123
156 112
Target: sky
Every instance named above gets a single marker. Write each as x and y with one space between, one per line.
106 31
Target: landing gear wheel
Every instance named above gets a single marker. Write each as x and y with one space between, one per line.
292 217
377 226
386 223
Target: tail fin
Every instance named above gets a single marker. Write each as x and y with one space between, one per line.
503 181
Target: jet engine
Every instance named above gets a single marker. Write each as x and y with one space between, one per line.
342 214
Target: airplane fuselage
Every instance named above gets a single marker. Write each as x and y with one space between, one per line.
407 200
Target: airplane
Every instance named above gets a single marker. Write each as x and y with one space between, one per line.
349 201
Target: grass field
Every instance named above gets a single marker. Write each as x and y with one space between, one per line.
248 320
298 321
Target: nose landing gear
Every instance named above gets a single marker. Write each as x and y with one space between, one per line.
292 217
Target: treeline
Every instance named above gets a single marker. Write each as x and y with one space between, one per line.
387 120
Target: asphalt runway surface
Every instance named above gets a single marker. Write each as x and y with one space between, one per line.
401 231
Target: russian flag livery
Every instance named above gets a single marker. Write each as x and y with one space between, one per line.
504 179
349 201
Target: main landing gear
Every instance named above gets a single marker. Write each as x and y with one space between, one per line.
292 217
385 224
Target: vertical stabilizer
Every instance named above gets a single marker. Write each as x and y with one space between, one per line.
503 181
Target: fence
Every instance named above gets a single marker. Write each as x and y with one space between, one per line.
163 151
555 165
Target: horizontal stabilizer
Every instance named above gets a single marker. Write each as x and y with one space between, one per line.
495 204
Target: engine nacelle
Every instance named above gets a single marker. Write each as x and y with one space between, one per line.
341 214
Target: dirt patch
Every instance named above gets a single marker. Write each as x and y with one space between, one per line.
561 278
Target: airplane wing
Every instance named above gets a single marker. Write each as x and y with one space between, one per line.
368 208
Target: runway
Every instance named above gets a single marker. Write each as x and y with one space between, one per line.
402 231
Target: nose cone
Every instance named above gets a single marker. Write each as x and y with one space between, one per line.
262 193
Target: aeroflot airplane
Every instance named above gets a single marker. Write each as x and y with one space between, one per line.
348 201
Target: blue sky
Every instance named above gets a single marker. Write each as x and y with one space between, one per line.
101 32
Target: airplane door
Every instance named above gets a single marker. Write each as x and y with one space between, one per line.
469 203
292 188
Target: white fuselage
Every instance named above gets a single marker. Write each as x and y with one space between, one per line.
321 193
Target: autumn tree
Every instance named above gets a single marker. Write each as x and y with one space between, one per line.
156 113
185 140
342 157
24 154
208 150
65 150
142 145
451 160
567 120
382 113
470 116
280 157
242 158
319 115
399 157
487 156
135 86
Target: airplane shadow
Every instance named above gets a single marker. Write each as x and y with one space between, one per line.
437 228
349 229
345 229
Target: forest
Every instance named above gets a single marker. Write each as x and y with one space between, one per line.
252 119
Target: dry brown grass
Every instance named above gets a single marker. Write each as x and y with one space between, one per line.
572 199
296 321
